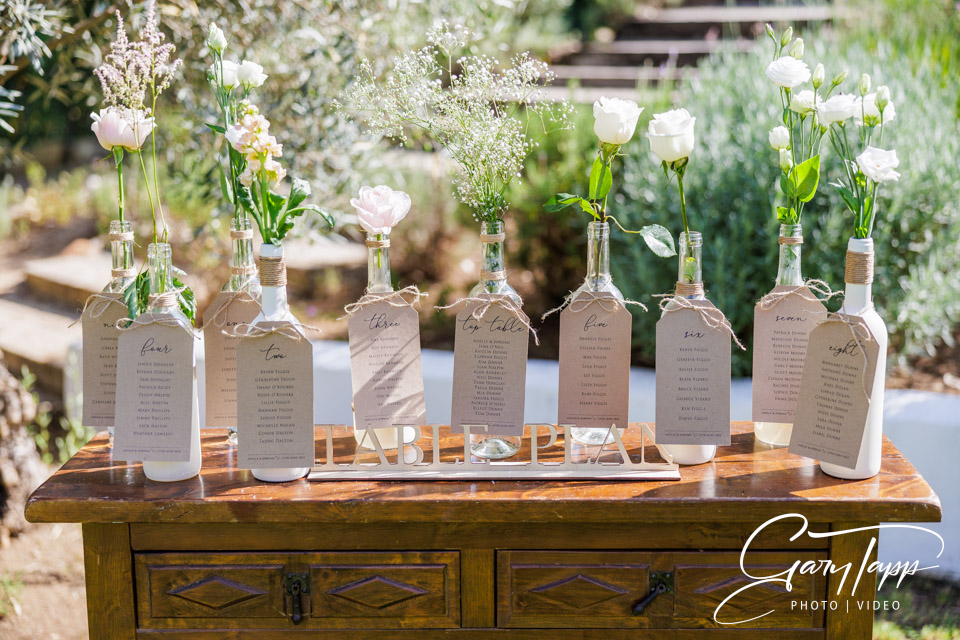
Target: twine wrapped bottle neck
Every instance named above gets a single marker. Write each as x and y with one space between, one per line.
689 289
273 271
165 300
859 268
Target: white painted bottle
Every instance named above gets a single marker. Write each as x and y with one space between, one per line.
858 301
274 308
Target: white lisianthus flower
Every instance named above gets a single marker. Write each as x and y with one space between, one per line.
671 135
779 138
250 74
878 165
121 128
788 72
838 108
379 209
868 111
225 74
615 120
802 102
215 38
819 74
786 160
796 49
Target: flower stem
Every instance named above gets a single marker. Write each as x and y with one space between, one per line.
146 184
683 207
118 158
379 253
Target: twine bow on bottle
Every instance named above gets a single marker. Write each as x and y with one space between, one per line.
147 319
290 330
711 316
606 301
821 293
860 334
98 303
503 301
393 298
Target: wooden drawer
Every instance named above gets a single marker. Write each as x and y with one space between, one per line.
579 589
373 590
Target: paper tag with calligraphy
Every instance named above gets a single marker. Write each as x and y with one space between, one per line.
594 362
227 310
275 399
490 369
782 322
100 335
155 386
693 379
838 376
385 366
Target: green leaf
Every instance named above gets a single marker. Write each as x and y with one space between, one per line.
786 185
659 240
298 193
225 187
786 216
216 127
606 182
848 198
276 204
247 201
561 201
806 176
186 297
323 213
596 174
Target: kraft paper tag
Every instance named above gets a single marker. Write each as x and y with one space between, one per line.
490 370
155 386
838 376
595 362
100 335
385 366
693 379
227 310
780 334
275 400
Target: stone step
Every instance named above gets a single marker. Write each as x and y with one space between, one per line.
699 21
631 54
612 75
323 267
70 279
37 335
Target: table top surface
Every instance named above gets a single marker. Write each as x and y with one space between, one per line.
745 482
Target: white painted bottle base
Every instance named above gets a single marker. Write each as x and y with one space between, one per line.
280 475
691 453
176 471
775 434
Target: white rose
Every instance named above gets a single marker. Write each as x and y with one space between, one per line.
788 72
868 110
878 165
225 75
615 120
838 108
671 135
779 138
215 38
379 209
116 128
250 74
802 102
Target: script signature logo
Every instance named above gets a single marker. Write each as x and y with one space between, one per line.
826 567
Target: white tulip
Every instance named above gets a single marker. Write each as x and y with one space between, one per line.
786 160
838 108
671 135
779 138
379 209
615 120
250 74
868 110
215 38
225 75
802 102
116 128
878 165
788 72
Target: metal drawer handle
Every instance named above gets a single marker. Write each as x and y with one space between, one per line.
297 596
660 582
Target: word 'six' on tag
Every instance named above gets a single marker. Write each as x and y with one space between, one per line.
227 310
385 366
782 322
275 399
100 334
595 362
155 386
838 377
490 370
693 379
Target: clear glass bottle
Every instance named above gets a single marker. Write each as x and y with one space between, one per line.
493 280
243 273
690 286
163 300
597 280
777 434
274 308
858 301
122 272
379 281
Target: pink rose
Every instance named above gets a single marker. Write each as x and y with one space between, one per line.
116 128
380 208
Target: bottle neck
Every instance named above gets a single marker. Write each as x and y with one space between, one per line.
493 265
243 267
690 271
273 280
598 256
858 277
163 297
791 241
122 271
378 263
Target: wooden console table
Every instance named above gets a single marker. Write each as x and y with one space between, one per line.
223 556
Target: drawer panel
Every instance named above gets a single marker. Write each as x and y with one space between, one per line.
346 590
575 589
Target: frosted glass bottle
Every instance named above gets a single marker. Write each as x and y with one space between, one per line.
122 272
858 301
163 299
